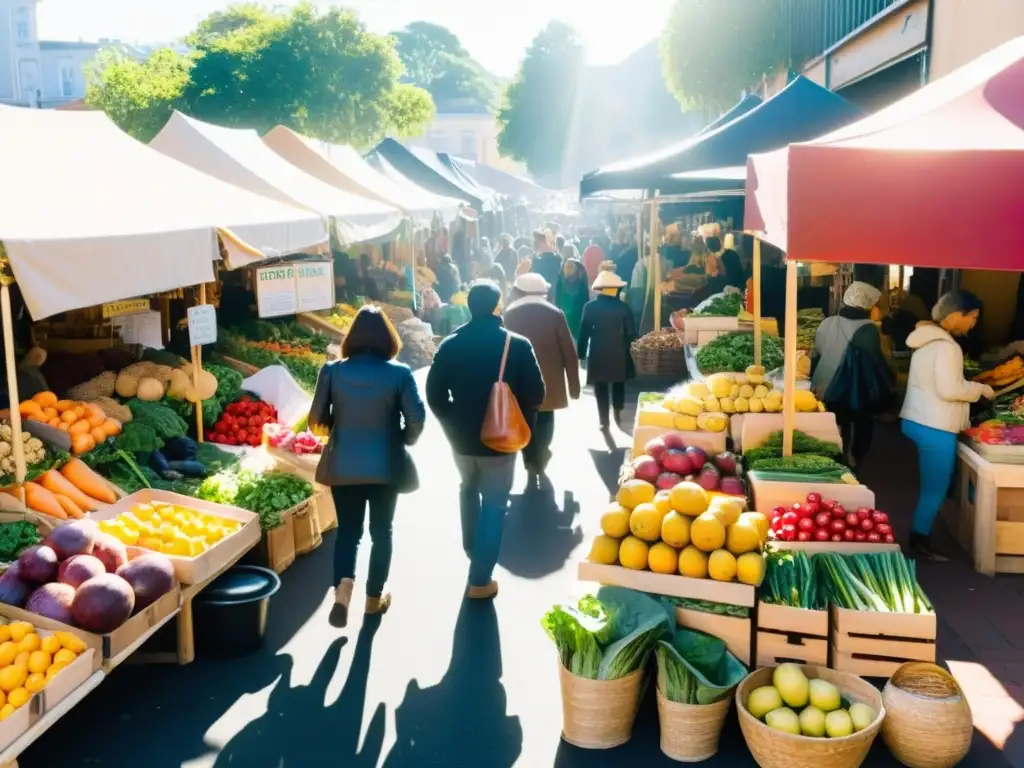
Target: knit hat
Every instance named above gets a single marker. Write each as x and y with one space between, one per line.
861 295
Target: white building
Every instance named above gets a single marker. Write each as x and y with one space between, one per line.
36 73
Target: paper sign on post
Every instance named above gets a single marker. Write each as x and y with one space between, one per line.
202 325
315 286
276 291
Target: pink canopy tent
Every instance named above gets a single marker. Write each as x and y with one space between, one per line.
933 180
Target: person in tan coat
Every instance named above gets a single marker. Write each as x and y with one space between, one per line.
530 314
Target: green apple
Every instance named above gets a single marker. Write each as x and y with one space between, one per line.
783 719
838 724
763 700
812 722
824 695
862 716
792 685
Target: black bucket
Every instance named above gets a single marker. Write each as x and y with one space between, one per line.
230 615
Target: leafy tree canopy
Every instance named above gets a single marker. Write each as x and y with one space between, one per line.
712 50
316 71
435 59
539 111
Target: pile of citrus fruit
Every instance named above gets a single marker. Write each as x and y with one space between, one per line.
28 661
169 528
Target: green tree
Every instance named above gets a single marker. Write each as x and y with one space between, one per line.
539 111
435 59
713 50
138 96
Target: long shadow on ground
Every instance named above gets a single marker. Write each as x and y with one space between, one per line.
539 537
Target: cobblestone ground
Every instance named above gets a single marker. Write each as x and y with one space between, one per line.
441 682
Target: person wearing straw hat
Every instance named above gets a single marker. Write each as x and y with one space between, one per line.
606 332
531 315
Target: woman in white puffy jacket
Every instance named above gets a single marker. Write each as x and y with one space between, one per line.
937 406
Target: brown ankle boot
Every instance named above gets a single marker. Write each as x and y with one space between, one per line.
375 605
486 592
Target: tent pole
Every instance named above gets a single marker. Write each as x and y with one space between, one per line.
655 265
757 300
197 366
789 399
17 443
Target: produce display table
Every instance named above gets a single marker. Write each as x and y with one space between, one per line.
988 519
768 494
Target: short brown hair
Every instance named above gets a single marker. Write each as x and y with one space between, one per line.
371 332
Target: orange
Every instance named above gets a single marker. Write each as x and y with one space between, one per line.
64 656
8 651
30 642
53 670
39 661
50 644
35 682
18 697
7 711
19 629
21 660
13 677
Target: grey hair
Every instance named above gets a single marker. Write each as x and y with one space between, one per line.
954 301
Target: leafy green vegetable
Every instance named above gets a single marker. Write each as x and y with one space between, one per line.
15 537
268 494
221 488
165 422
877 581
706 606
726 305
55 457
735 352
792 580
138 437
800 463
229 382
771 448
696 668
305 371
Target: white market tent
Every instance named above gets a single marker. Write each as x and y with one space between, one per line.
239 157
89 215
343 167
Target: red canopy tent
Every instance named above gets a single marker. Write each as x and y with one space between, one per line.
936 179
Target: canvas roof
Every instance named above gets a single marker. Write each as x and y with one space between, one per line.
502 182
238 156
93 216
933 180
425 169
343 167
800 111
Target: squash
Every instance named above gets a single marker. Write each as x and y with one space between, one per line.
126 385
87 481
180 386
207 388
82 442
150 390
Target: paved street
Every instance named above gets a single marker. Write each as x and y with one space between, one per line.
442 682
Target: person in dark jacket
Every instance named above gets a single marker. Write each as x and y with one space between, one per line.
546 262
373 410
447 279
465 369
572 293
606 332
507 256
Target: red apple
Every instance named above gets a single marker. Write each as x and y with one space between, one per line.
655 448
837 526
674 441
811 508
813 498
790 518
836 537
889 538
677 462
788 533
838 512
860 536
851 520
822 519
866 525
776 523
879 517
779 511
863 512
884 529
798 509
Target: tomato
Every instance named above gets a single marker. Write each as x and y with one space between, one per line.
889 538
805 524
797 509
848 535
879 517
777 524
836 537
821 534
837 526
803 535
242 435
814 498
863 513
232 441
838 512
255 440
788 533
866 525
810 509
790 518
860 536
884 529
822 519
779 512
874 538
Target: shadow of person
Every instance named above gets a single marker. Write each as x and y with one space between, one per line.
539 537
609 466
461 720
298 729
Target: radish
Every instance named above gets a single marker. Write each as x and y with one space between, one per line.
821 534
867 525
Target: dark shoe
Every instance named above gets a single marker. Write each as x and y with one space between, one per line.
618 417
921 547
342 597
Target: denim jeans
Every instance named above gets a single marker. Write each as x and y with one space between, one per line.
350 502
483 501
537 453
936 458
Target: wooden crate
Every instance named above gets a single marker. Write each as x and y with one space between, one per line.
839 547
710 442
670 585
791 634
736 632
757 427
768 494
876 643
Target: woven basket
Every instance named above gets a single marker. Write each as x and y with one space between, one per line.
599 714
928 721
659 362
689 732
776 749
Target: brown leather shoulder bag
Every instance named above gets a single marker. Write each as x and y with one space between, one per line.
504 429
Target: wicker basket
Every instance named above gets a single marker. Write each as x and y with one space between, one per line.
775 749
666 362
599 714
689 732
928 721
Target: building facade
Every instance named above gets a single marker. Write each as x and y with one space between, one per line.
35 73
469 133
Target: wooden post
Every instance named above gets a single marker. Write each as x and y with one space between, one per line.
757 300
17 444
655 265
789 399
197 366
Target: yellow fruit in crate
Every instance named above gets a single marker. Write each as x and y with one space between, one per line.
615 522
18 697
688 498
761 391
214 533
693 563
773 403
633 493
633 553
22 659
697 389
712 422
727 508
663 502
64 656
690 406
30 642
742 404
756 405
805 401
750 568
720 386
35 682
13 677
604 550
675 529
70 642
728 405
742 537
711 405
707 532
39 661
3 699
5 633
754 370
746 391
6 711
722 565
734 391
760 522
19 629
152 542
685 423
54 669
645 522
661 558
8 651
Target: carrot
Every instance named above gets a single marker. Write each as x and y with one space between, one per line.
41 500
69 507
88 482
55 482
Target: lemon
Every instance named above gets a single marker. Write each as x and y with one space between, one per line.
73 643
64 656
604 550
633 493
742 537
56 667
30 642
18 697
693 563
39 661
633 553
750 568
760 522
22 658
35 682
707 532
8 651
661 558
722 565
663 502
675 529
13 677
727 509
50 644
6 712
615 522
688 498
645 522
19 629
5 633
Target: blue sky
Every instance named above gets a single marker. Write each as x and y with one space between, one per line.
495 31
